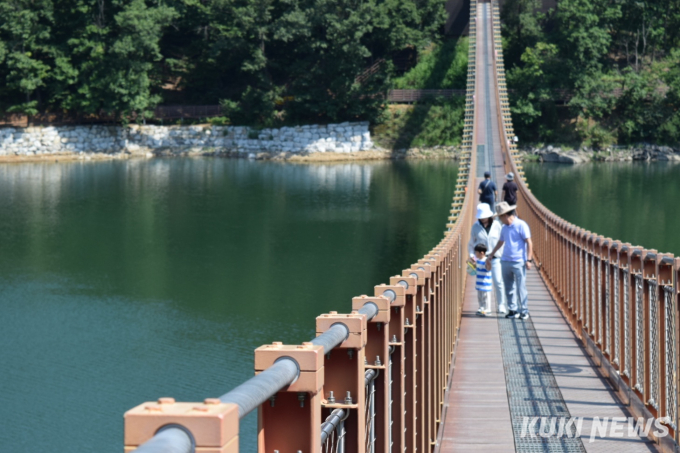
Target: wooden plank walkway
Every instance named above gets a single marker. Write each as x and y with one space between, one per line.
477 415
586 393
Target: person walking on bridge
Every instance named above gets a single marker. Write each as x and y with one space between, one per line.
487 231
487 191
509 192
516 259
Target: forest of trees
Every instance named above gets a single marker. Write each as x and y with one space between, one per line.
619 59
615 62
252 56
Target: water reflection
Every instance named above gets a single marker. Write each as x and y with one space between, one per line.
121 282
633 202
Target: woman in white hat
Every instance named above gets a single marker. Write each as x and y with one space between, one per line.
487 231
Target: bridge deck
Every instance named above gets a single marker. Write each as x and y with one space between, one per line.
509 371
479 414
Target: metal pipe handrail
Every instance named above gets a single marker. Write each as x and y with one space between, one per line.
370 375
285 371
171 439
628 322
258 389
332 421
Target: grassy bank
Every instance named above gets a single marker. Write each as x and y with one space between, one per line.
433 122
442 66
421 125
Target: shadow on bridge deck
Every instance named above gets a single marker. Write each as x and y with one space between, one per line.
484 409
509 373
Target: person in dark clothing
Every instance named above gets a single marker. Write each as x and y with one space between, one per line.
488 191
509 193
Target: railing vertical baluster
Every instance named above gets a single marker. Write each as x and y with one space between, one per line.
627 303
667 342
621 300
638 324
616 306
652 369
396 335
409 351
376 355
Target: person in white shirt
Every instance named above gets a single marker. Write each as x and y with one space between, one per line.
487 231
516 259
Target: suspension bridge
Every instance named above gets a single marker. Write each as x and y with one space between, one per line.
410 368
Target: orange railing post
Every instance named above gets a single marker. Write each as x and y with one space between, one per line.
409 348
377 356
344 370
212 424
403 353
396 362
296 408
621 300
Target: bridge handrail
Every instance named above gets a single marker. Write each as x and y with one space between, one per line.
408 329
620 299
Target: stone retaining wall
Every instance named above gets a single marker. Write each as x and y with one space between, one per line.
642 152
332 138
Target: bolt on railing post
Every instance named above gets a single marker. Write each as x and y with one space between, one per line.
397 295
168 426
295 408
409 310
344 374
622 300
377 357
425 272
419 366
434 340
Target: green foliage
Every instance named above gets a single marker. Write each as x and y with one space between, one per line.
116 56
615 62
669 129
219 121
532 97
442 66
256 107
594 135
103 60
583 34
522 27
439 122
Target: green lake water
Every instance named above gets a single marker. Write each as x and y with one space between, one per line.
122 282
629 201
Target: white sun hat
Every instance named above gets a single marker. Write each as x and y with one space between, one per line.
484 211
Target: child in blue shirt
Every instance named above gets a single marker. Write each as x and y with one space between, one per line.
483 282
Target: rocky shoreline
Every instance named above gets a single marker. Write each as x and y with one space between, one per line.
311 143
557 154
376 153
